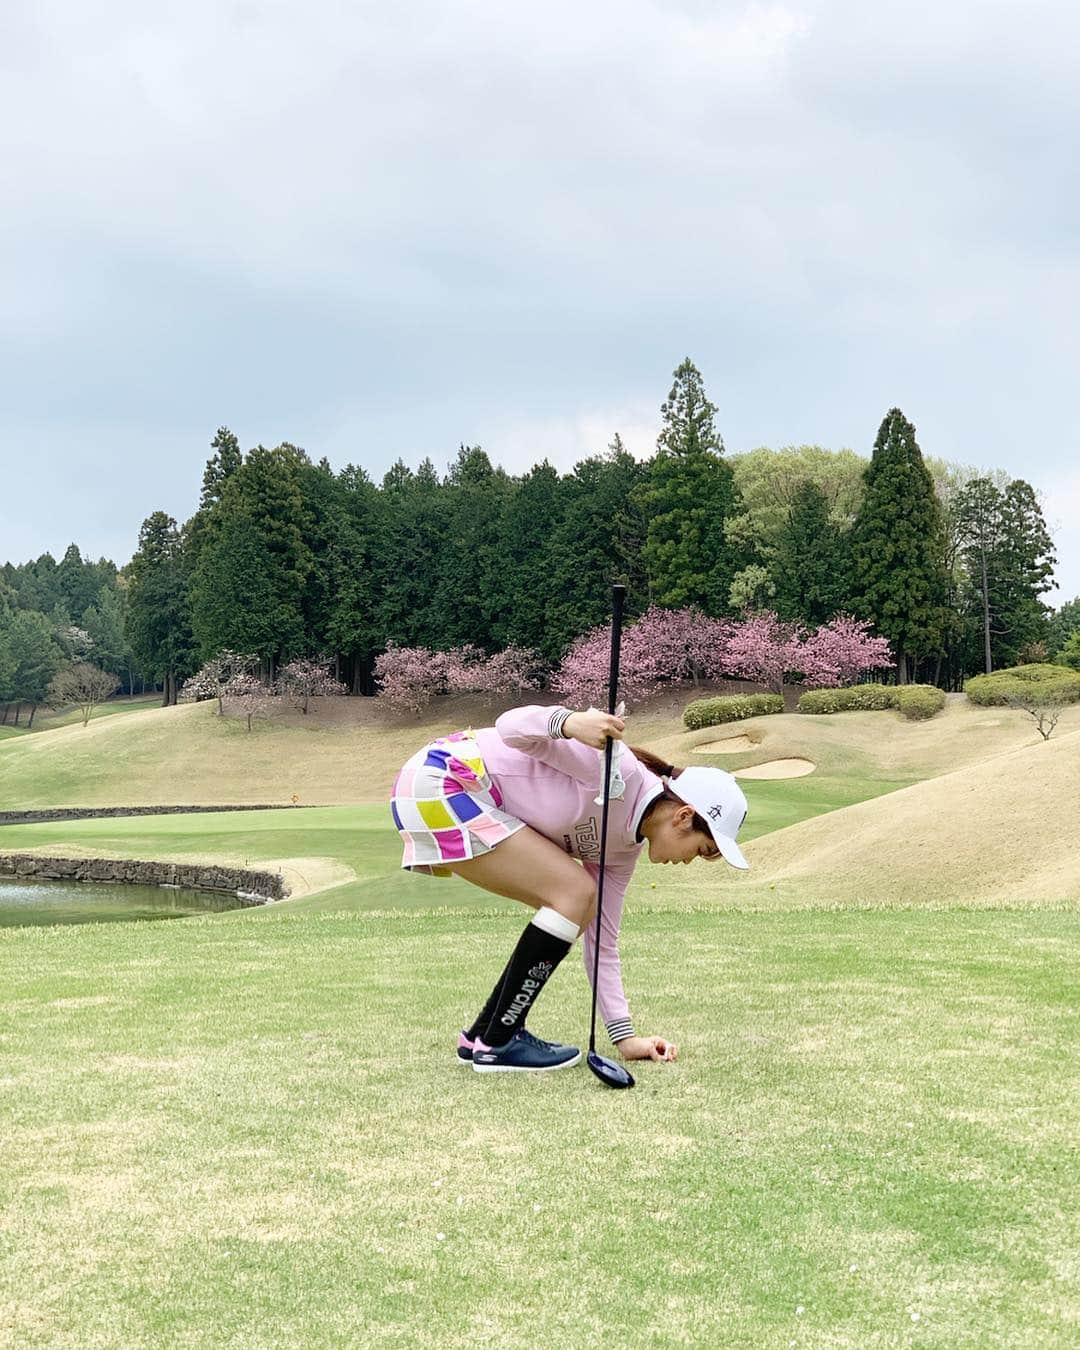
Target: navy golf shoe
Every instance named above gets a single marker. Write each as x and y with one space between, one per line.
524 1053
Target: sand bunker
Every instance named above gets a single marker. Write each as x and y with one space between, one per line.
778 768
731 745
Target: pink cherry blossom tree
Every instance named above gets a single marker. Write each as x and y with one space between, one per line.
409 677
249 696
213 678
764 649
840 651
307 678
663 645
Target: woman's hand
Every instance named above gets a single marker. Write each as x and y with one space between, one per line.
594 728
647 1047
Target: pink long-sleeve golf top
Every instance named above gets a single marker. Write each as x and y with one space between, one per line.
552 784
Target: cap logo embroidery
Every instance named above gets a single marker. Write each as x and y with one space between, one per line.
715 812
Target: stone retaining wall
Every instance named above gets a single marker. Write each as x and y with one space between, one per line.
252 888
100 812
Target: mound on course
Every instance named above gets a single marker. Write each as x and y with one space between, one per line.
1004 829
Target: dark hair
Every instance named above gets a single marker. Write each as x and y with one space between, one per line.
664 770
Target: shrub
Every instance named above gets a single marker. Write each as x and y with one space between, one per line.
711 712
854 698
1069 655
919 701
997 689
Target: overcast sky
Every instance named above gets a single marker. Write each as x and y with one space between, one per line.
381 230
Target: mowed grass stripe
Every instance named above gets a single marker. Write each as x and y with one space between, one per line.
254 1133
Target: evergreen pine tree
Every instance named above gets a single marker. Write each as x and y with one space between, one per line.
525 586
598 540
248 585
158 623
688 496
1009 556
1029 569
809 569
689 419
898 547
466 593
104 621
220 467
353 569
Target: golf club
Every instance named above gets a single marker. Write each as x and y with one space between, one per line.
611 1074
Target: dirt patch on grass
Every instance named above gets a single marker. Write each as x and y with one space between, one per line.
308 876
778 768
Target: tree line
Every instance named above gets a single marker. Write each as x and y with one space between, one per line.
286 557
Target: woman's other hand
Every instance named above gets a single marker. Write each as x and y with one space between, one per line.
594 728
648 1047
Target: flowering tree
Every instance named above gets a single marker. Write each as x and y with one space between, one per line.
468 670
676 644
582 678
307 678
212 680
409 677
76 641
664 644
249 695
764 649
840 651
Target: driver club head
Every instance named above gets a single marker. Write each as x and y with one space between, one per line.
612 1075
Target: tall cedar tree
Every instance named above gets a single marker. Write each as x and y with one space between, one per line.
1030 559
412 531
1009 557
220 467
467 582
898 546
532 513
600 539
354 581
689 494
247 593
158 627
810 567
104 621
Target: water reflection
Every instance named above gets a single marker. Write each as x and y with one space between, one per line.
51 902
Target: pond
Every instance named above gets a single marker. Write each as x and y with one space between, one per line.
51 902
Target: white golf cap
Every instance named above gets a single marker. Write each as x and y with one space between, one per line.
718 799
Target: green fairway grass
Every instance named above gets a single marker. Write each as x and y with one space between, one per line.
362 839
45 719
252 1131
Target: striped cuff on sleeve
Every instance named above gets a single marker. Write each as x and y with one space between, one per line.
619 1029
555 723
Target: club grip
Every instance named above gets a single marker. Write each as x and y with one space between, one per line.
618 596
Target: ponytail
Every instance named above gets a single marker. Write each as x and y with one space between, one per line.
654 763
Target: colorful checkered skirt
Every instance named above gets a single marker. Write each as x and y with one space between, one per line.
447 807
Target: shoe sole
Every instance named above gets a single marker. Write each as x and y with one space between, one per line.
521 1068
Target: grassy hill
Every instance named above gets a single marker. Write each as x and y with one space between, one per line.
348 750
970 807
